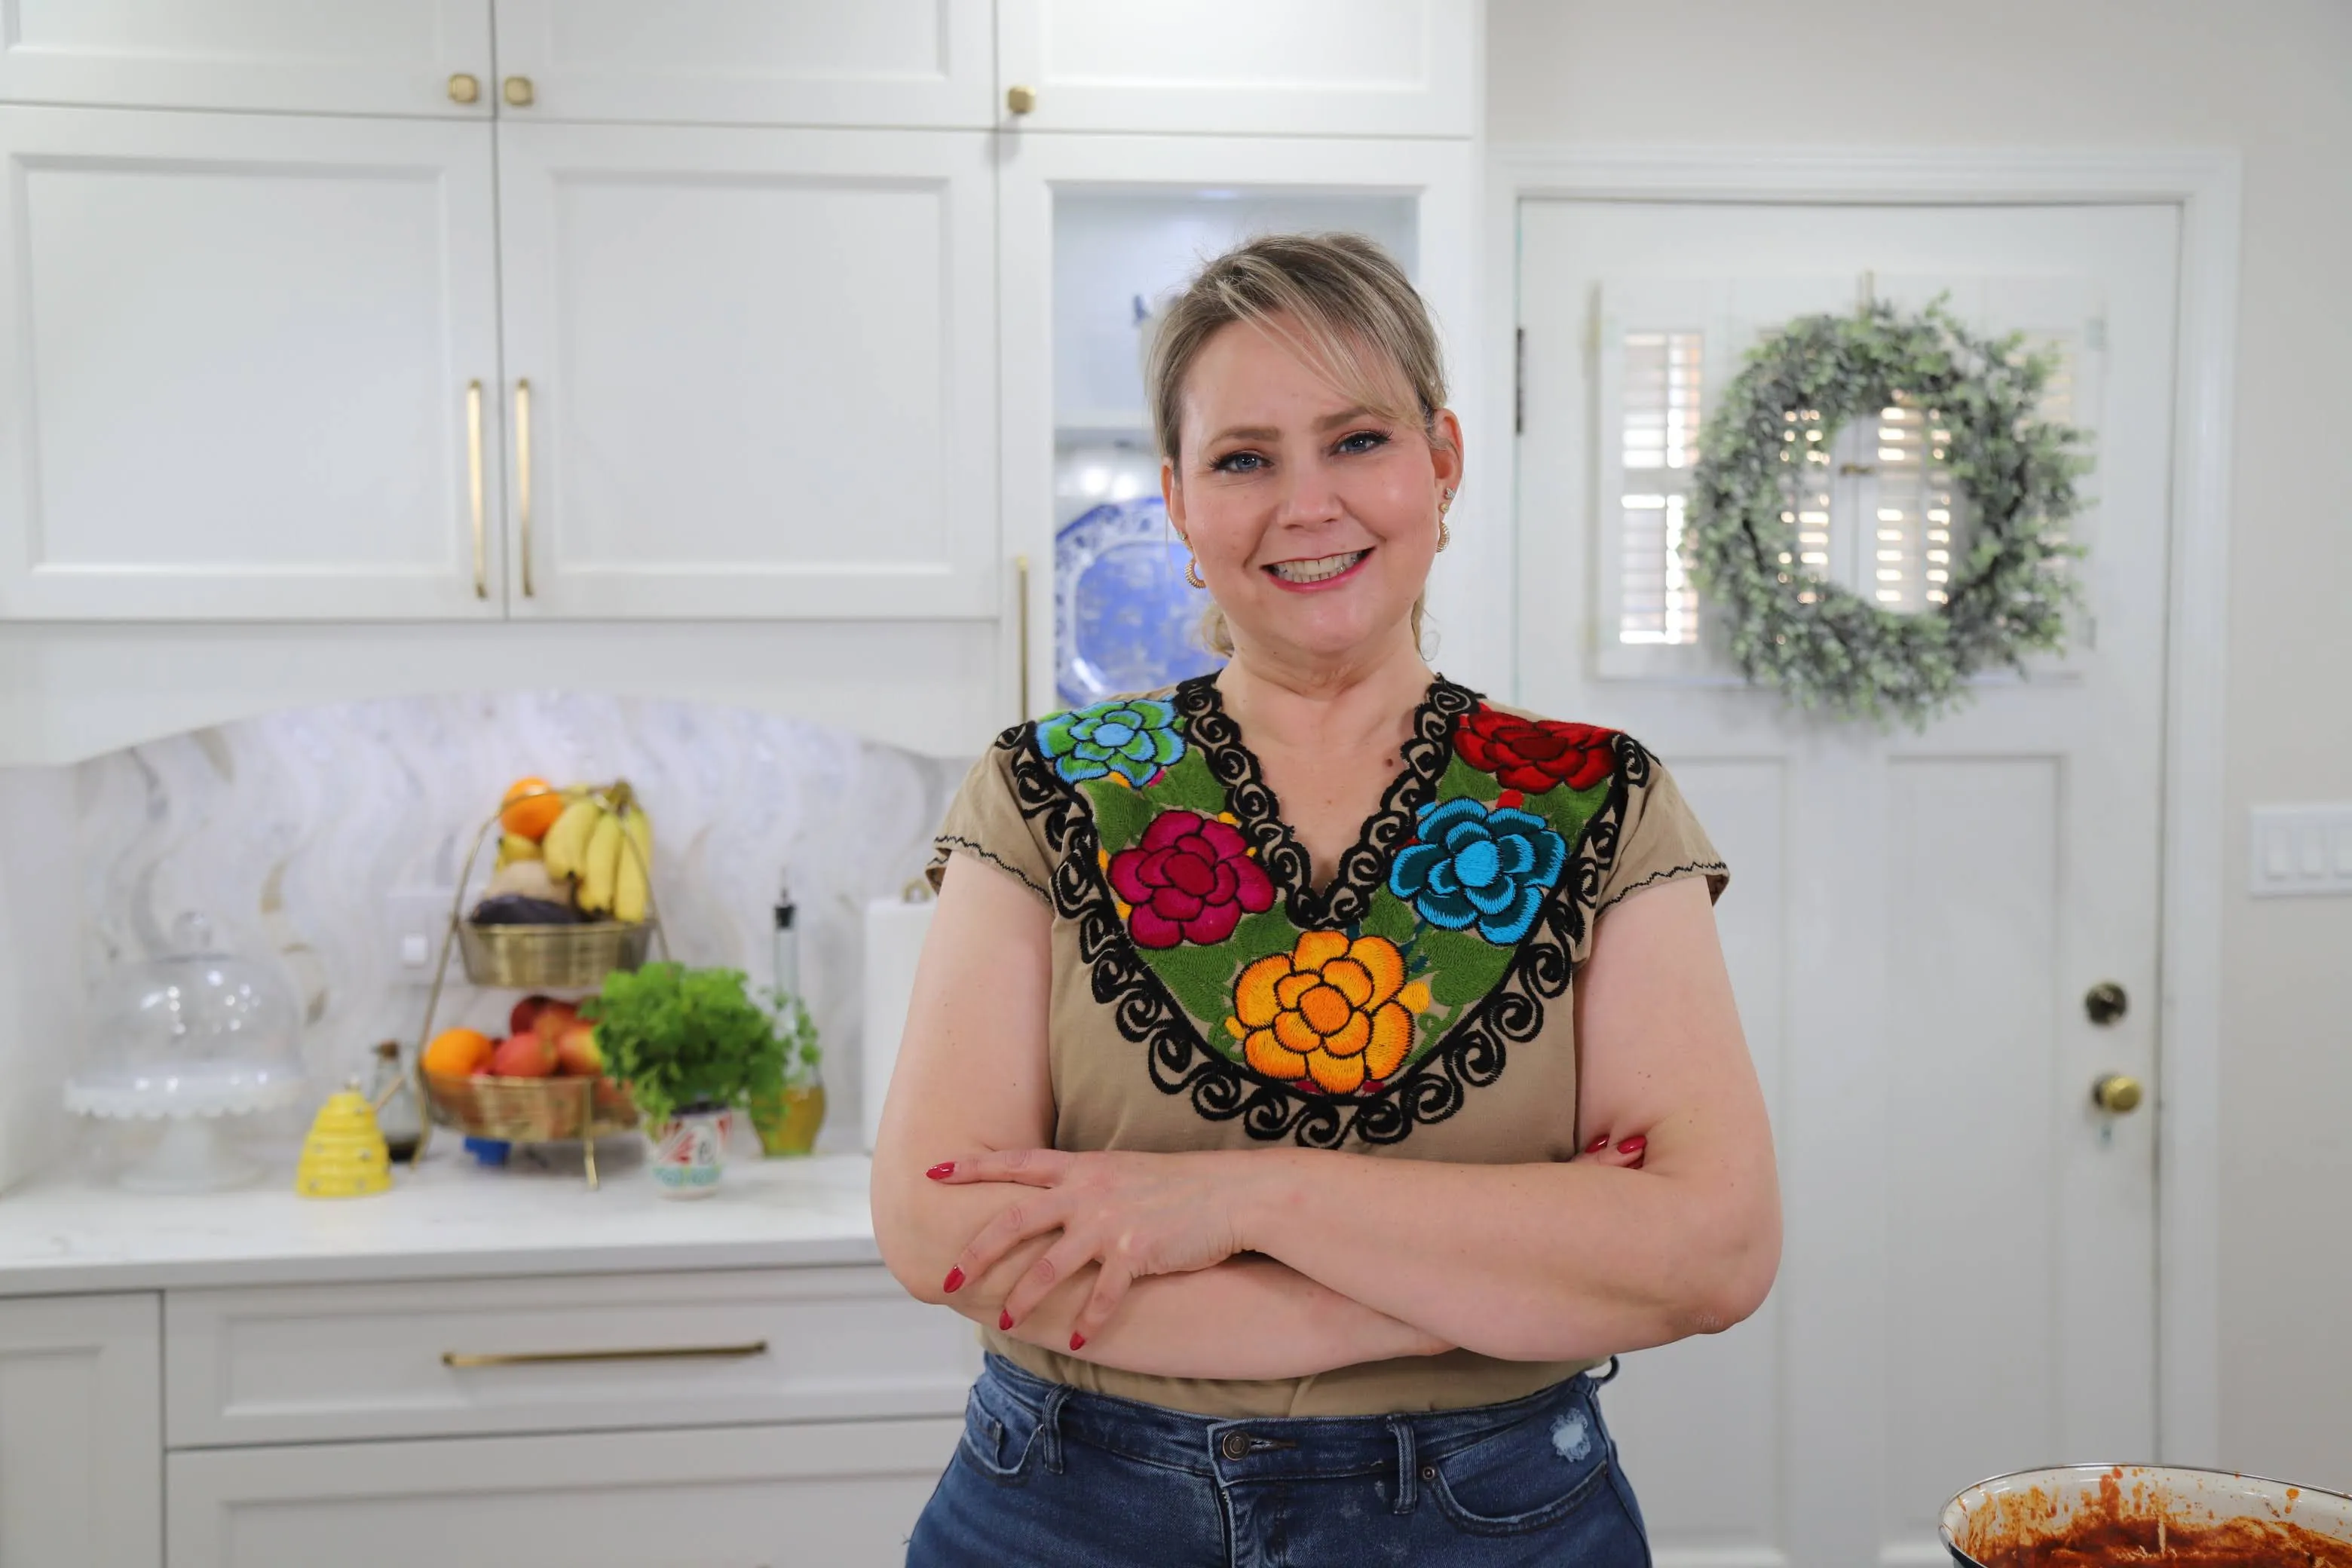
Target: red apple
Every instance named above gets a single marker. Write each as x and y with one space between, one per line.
523 1055
553 1020
576 1054
526 1013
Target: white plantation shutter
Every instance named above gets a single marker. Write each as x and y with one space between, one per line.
1872 508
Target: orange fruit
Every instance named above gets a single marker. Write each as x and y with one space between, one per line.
531 806
455 1053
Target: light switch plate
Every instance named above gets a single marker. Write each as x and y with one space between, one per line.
2302 850
416 920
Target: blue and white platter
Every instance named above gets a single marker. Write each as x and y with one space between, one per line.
1123 618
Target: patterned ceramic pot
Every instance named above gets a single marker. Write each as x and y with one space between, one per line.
2114 1510
690 1151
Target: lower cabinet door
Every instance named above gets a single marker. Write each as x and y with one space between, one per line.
81 1432
830 1493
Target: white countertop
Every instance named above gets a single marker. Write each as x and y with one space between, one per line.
448 1219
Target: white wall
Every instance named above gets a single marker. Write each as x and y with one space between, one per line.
2273 81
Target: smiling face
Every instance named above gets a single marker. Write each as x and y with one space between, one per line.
1314 516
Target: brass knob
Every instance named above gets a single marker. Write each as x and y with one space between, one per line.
2105 1003
463 88
2116 1095
1020 100
518 92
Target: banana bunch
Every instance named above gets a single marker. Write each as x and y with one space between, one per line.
605 841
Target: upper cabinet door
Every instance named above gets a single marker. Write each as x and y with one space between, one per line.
752 372
748 62
1329 68
354 57
235 361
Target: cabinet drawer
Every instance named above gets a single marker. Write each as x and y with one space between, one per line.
451 1358
840 1494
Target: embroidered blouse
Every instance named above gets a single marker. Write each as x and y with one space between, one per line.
1206 996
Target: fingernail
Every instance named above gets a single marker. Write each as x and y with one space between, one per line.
954 1280
941 1171
1078 1341
1633 1145
1004 1322
1598 1144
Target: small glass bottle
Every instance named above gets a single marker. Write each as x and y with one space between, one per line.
787 950
392 1092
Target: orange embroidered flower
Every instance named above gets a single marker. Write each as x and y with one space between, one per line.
1331 1010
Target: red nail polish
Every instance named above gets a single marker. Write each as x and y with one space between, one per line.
1598 1144
1078 1341
1004 1322
954 1281
941 1171
1633 1145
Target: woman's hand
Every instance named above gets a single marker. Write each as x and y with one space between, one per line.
1132 1214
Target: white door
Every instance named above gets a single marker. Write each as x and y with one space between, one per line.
752 372
81 1432
759 62
840 1494
238 363
1326 68
1914 919
354 57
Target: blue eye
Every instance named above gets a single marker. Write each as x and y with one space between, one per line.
1362 441
1238 463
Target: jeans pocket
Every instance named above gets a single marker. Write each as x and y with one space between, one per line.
1533 1475
1000 1432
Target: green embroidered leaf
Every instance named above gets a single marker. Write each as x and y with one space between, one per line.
1461 779
1391 917
1569 810
1189 785
1463 966
1202 979
1120 813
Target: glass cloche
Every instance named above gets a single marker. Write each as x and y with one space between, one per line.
190 1039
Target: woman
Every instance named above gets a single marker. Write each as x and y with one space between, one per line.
1262 1021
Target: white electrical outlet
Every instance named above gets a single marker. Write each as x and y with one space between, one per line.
2302 850
416 919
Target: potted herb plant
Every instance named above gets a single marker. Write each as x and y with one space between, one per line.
788 1120
693 1047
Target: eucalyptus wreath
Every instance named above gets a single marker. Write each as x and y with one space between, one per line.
1825 647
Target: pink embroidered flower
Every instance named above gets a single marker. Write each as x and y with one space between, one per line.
1191 879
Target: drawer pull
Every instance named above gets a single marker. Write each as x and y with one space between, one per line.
668 1353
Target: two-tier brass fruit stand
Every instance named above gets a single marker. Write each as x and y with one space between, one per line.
536 957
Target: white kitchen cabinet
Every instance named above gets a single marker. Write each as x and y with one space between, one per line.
754 62
355 57
1318 67
235 365
752 372
81 1478
840 1495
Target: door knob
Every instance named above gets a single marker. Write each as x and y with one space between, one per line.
463 88
2117 1094
2106 1002
1020 100
518 92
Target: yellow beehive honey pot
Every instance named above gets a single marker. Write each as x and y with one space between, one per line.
344 1155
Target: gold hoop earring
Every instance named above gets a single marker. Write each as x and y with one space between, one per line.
1193 571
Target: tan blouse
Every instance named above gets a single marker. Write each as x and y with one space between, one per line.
1207 995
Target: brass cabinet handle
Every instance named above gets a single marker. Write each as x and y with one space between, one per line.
666 1352
2117 1094
463 88
518 92
522 478
1020 100
474 486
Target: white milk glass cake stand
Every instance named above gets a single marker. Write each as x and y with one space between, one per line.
191 1040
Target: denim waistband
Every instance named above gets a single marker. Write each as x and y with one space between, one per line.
1270 1447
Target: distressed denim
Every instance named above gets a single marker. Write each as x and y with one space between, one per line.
1050 1477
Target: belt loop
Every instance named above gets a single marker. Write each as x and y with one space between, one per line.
1408 1470
1049 1426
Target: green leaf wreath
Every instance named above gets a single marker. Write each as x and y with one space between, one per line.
1826 647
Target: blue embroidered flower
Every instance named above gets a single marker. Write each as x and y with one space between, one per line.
1134 737
1473 864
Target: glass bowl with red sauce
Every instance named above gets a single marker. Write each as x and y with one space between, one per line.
2107 1516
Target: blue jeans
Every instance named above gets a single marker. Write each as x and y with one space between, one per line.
1048 1476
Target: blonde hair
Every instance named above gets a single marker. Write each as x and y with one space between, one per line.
1362 326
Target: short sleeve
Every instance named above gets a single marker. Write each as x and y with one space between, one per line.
1660 840
984 820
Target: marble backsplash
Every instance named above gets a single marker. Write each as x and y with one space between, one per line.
310 837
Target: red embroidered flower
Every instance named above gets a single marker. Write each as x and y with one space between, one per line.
1191 879
1534 754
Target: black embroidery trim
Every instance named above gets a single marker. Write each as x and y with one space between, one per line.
947 841
1365 866
1470 1057
1684 869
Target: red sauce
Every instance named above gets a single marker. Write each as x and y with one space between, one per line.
2136 1524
